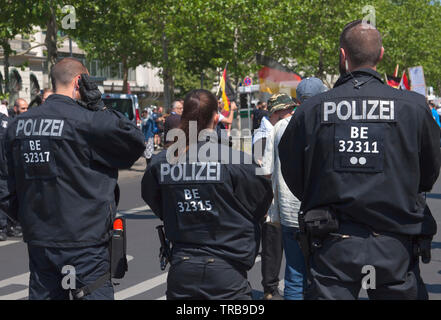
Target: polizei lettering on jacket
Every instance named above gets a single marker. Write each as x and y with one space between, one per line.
358 110
40 127
198 172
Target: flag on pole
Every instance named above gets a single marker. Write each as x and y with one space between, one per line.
392 81
404 84
275 77
228 94
396 70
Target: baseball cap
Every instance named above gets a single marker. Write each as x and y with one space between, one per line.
280 101
309 87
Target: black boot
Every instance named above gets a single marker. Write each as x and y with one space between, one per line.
14 231
3 235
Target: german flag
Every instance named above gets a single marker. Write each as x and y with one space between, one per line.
275 78
394 82
228 93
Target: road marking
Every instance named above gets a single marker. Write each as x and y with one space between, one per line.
16 295
134 210
8 242
141 287
22 279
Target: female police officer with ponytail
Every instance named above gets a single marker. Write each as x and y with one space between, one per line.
211 202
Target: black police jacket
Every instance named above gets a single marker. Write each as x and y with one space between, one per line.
212 206
367 150
4 120
63 164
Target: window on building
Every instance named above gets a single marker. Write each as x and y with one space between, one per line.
15 85
114 72
35 91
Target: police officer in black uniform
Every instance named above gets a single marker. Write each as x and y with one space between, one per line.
359 158
211 202
4 120
63 162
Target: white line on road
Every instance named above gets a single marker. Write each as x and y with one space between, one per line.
8 242
22 279
16 295
141 287
134 210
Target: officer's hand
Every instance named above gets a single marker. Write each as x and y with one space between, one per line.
233 106
424 245
90 94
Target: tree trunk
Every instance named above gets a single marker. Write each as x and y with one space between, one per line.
236 80
6 50
51 42
167 74
125 88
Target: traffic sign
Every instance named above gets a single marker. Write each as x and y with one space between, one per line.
247 81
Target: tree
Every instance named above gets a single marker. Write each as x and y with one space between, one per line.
114 32
11 25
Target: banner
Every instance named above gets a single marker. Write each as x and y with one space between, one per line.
416 75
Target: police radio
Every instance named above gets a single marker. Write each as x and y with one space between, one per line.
118 258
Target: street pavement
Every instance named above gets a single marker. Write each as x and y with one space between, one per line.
145 280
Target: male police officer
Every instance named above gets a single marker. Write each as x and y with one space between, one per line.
63 162
359 156
3 174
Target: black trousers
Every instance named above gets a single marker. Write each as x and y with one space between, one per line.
3 220
272 254
46 266
383 264
198 276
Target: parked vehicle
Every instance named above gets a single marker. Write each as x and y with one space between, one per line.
127 104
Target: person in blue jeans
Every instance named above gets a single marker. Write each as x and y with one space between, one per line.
285 205
434 113
147 128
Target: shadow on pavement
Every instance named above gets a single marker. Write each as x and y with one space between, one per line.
436 245
433 288
136 170
12 288
434 195
257 295
140 216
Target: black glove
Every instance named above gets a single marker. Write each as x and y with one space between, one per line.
90 94
423 248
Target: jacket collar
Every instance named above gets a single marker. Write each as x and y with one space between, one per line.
59 97
365 72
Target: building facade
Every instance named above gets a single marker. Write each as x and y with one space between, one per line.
28 75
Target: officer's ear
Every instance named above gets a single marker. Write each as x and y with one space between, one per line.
381 54
76 84
344 59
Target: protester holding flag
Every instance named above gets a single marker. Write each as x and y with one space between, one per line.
228 98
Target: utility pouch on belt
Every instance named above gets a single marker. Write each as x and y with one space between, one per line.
118 249
319 223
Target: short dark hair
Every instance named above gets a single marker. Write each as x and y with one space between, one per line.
362 43
199 105
65 70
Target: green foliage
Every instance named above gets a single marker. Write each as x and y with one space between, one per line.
188 37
